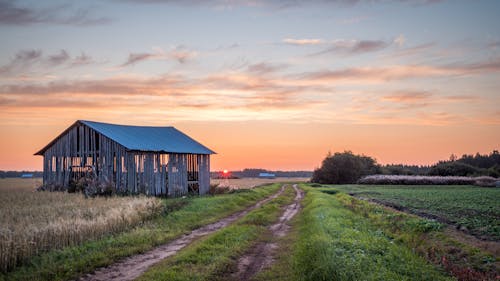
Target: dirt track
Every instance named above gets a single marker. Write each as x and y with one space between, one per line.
132 267
262 255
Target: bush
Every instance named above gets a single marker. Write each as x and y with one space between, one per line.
218 189
453 169
344 167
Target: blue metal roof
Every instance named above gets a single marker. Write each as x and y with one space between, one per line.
164 139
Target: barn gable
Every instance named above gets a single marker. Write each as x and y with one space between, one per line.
133 159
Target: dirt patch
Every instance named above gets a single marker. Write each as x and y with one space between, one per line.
492 247
132 267
262 255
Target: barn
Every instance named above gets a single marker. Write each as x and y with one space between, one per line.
159 161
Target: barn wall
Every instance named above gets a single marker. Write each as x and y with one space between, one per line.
204 173
82 150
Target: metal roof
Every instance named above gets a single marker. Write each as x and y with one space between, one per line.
143 138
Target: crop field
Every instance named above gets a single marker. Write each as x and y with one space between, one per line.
244 183
34 222
471 208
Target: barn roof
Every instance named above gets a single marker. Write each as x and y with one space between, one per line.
144 138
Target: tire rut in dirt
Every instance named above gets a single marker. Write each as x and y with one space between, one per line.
132 267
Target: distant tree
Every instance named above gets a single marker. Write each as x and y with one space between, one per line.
454 169
345 167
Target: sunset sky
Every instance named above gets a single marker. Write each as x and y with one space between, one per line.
266 84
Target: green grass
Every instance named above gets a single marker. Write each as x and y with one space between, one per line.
186 214
334 242
213 257
475 208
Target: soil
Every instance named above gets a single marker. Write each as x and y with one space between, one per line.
261 255
132 267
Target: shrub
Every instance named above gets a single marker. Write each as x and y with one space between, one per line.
344 167
453 169
218 189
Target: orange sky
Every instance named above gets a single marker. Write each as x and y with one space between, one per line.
286 146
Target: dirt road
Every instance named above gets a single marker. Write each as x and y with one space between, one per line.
262 255
132 267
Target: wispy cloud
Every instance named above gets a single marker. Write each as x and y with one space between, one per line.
353 47
179 53
257 91
408 97
276 4
59 58
13 14
263 68
400 72
301 42
28 60
410 51
138 57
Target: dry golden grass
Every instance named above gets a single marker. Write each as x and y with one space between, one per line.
32 222
252 182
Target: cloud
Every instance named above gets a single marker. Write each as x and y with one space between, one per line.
179 53
22 60
138 57
31 60
82 59
12 14
58 59
410 51
353 47
276 4
301 42
400 40
262 68
408 97
399 72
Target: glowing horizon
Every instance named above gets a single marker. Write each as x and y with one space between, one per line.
265 84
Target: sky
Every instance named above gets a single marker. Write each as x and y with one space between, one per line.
266 84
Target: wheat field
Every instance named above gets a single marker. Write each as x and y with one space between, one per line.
32 222
252 182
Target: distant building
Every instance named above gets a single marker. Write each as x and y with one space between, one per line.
267 175
26 176
133 159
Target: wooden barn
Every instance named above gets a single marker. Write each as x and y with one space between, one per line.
132 159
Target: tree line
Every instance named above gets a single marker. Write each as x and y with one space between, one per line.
347 167
17 174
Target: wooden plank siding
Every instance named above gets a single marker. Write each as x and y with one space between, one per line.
81 150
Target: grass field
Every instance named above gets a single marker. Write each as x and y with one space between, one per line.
471 208
35 222
253 182
181 215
